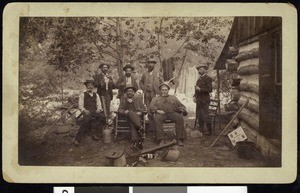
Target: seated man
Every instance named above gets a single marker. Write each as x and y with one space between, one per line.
132 107
90 106
164 107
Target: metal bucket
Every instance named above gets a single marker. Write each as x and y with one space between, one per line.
245 149
106 135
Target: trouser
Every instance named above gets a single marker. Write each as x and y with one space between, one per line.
86 124
203 115
107 98
148 96
135 125
176 118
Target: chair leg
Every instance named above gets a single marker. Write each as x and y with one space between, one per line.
195 124
116 127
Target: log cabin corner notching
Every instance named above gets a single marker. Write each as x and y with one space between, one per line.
253 56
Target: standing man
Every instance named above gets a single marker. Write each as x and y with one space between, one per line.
126 80
202 89
149 82
104 84
164 107
90 106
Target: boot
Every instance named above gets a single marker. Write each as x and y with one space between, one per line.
208 129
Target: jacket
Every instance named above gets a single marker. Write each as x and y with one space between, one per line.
159 102
121 82
205 85
150 82
137 102
100 84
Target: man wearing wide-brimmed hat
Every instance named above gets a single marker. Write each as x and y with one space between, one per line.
149 82
164 107
90 106
202 98
104 84
126 80
133 109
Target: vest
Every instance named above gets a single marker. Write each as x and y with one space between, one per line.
129 106
90 103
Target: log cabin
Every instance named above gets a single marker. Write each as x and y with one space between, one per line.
253 56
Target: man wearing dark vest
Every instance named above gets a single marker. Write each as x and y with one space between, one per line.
149 82
133 108
90 106
126 80
104 84
202 89
164 107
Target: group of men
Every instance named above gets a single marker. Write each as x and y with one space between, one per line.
157 103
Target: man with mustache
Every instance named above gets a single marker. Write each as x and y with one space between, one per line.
133 108
126 80
149 82
202 98
90 106
104 83
164 107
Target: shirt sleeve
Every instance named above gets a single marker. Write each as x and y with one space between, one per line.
80 102
153 105
99 105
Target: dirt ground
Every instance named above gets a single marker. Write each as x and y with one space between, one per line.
58 150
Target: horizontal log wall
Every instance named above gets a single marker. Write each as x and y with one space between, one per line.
248 70
251 118
250 95
252 104
267 148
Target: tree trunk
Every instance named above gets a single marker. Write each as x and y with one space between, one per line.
119 47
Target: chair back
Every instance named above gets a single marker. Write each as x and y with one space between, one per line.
213 107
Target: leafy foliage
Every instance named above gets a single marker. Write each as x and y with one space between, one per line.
56 51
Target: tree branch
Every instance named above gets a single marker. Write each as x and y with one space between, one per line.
104 51
158 41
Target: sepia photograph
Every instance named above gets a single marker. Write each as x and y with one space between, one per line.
157 92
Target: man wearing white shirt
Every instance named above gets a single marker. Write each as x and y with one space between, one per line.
90 106
126 80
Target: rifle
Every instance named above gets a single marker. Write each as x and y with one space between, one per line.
154 149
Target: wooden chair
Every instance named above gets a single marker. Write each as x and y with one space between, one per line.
213 113
123 126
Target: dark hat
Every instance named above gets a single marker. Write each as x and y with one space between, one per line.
130 86
89 81
128 66
151 60
202 65
164 84
103 64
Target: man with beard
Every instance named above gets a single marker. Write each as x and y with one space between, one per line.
149 82
202 89
90 106
164 107
133 108
104 84
126 80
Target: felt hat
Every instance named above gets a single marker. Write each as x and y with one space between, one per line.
103 64
128 66
130 86
164 84
89 81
